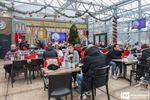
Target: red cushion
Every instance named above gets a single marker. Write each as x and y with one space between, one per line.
104 51
30 56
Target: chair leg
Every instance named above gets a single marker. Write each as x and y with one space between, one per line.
40 72
130 77
66 97
107 91
30 77
44 84
71 96
81 95
11 76
12 80
93 94
33 74
95 91
136 77
48 94
27 76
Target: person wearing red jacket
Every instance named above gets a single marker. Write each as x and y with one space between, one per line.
78 48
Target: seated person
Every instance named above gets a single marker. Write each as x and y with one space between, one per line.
142 67
126 51
50 52
39 44
59 52
9 57
78 48
93 59
71 59
145 55
115 53
82 53
71 56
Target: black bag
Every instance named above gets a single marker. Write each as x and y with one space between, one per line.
53 67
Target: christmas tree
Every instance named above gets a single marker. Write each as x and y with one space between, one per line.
73 35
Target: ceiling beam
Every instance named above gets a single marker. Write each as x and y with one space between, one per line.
127 13
88 3
37 4
64 6
119 4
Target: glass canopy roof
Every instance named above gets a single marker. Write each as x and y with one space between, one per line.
99 8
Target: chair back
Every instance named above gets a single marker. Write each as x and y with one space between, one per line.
19 63
36 62
60 81
100 77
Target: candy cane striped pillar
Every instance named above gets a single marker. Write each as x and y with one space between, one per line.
114 30
128 35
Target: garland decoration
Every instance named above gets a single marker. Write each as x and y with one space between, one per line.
103 20
18 11
63 14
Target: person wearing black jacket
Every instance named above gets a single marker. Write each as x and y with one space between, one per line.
50 53
40 44
93 59
143 66
145 55
115 53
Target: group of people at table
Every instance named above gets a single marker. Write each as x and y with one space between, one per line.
90 56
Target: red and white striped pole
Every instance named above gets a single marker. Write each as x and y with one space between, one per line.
114 30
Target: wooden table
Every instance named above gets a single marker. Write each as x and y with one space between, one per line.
124 63
61 71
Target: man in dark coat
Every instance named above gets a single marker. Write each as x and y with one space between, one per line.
93 59
143 66
114 53
145 54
